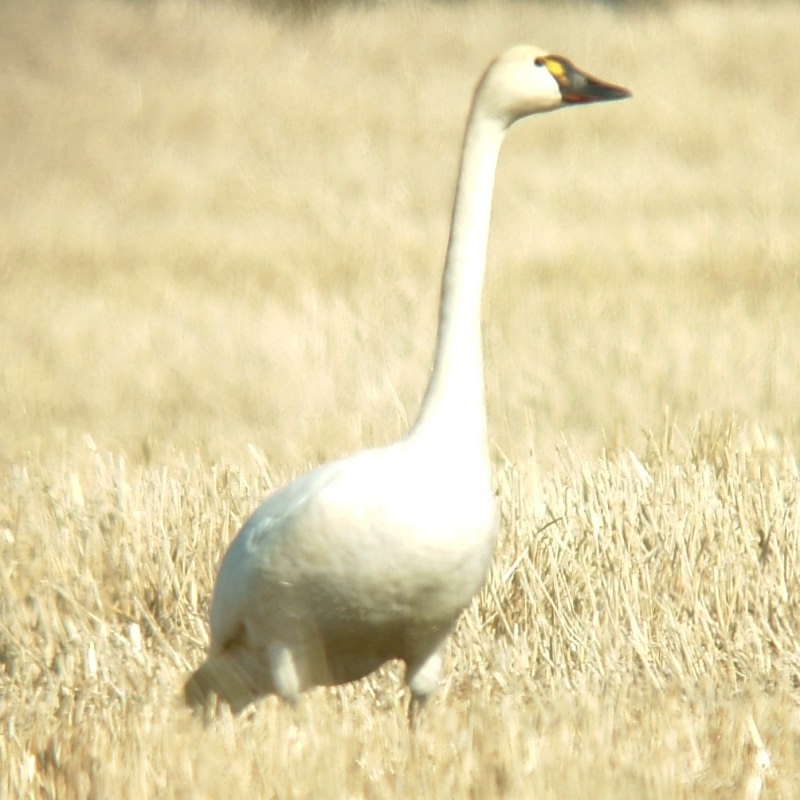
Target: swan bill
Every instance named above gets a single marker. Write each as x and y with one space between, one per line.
580 87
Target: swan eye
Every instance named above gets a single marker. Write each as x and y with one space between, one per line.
539 61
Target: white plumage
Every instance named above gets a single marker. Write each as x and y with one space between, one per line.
373 556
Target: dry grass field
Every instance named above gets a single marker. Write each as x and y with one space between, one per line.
221 233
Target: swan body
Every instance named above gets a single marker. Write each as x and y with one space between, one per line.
373 556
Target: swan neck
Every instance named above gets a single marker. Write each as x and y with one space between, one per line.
454 402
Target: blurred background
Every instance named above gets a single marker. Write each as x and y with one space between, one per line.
224 224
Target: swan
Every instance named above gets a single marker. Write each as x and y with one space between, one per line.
373 556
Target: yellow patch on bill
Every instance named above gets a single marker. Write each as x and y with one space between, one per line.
555 67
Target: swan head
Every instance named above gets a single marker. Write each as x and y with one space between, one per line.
528 80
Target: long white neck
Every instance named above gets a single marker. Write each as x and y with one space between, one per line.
453 408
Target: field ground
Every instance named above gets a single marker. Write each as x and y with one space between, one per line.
220 253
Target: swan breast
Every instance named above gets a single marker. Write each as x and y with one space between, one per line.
358 543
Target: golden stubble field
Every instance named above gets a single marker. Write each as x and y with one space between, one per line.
220 245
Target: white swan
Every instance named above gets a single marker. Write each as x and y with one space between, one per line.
373 556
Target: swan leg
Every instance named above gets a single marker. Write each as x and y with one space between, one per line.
422 678
416 707
284 666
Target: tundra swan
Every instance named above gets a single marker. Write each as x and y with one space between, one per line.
373 556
